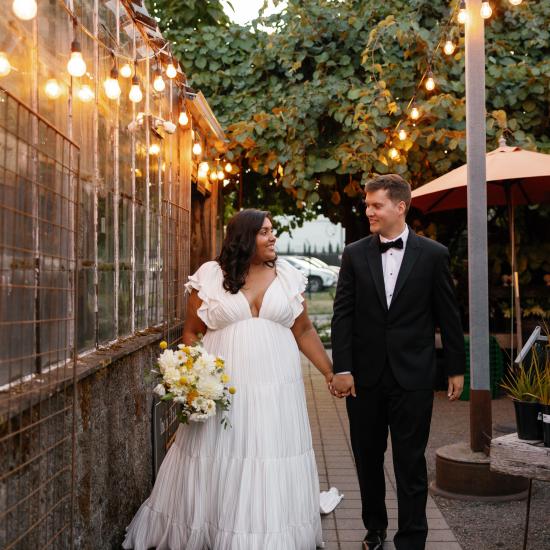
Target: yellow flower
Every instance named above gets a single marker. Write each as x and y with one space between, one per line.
225 378
163 345
232 390
219 362
183 380
191 396
189 363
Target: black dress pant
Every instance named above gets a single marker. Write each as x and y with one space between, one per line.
407 415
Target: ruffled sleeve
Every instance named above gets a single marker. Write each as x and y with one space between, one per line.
294 283
206 281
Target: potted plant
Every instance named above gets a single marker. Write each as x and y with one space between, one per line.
542 393
521 385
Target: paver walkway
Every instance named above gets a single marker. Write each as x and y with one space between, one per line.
343 528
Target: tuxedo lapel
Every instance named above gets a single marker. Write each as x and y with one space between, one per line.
374 259
412 252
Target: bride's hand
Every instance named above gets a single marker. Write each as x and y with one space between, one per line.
328 379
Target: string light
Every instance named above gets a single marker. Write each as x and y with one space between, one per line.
85 94
402 135
183 118
111 85
5 65
213 175
171 71
486 10
430 82
52 88
135 95
203 169
126 70
462 13
221 175
393 153
415 113
516 2
449 47
228 167
197 149
24 9
154 149
76 65
158 82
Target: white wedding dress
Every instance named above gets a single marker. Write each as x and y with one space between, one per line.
253 486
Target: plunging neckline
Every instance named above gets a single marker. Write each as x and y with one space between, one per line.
263 298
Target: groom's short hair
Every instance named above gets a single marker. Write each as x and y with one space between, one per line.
397 188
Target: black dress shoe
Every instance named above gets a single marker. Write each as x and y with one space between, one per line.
375 539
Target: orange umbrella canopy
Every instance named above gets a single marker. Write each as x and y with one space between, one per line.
524 175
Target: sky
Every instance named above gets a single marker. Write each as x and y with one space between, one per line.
246 10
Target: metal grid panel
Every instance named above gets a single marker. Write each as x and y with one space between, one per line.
39 186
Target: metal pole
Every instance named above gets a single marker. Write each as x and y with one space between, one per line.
480 402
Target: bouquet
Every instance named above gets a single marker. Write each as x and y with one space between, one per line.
195 380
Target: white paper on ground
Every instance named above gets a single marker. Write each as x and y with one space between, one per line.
328 500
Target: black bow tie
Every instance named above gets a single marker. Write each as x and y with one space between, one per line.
384 247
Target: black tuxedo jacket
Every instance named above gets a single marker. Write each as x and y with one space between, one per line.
367 336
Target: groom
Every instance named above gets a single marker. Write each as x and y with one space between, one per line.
394 288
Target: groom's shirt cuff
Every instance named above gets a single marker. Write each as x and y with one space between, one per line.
345 372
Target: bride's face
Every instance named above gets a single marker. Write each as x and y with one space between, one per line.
265 243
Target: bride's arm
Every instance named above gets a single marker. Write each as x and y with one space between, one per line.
310 344
193 326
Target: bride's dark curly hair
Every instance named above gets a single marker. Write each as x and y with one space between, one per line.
239 247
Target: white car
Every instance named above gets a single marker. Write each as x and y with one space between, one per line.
318 277
319 263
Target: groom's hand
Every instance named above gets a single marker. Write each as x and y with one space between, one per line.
343 385
456 384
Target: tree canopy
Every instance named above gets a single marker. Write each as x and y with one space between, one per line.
311 98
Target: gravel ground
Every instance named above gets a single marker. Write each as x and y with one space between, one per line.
484 526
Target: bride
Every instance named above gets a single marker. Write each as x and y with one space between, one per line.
253 486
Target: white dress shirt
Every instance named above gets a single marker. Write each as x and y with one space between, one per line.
391 264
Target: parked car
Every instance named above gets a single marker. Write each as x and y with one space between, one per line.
319 263
318 278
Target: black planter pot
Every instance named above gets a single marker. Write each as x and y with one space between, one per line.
546 424
527 420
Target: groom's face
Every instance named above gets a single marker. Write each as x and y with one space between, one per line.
385 216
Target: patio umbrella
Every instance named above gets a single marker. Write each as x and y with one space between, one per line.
514 176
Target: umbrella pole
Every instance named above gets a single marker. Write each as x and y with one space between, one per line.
515 277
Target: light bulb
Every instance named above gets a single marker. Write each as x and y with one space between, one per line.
158 83
430 82
85 94
154 149
486 10
393 153
111 85
203 167
126 70
5 65
213 175
516 2
24 9
135 95
221 175
415 113
197 149
183 118
449 47
462 13
228 167
402 135
76 65
171 71
52 88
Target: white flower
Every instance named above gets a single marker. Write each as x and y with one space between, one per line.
210 407
180 399
168 360
160 390
198 417
210 387
172 375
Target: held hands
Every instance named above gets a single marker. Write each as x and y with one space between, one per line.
456 384
342 385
